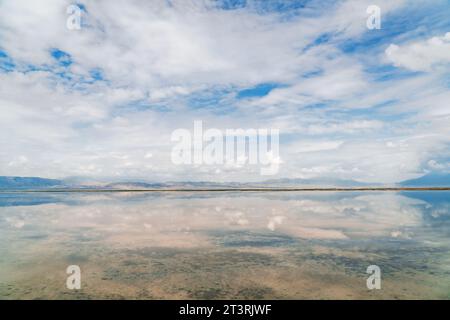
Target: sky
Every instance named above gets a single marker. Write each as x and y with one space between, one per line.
102 102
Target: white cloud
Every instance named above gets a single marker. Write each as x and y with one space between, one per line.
425 55
345 127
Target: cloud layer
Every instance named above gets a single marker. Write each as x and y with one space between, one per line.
102 102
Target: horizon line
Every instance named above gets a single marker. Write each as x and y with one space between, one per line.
264 189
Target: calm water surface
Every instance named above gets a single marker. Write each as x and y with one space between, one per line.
262 245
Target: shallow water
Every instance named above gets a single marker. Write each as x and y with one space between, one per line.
225 245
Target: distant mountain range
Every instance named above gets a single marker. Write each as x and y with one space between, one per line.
22 183
29 183
429 180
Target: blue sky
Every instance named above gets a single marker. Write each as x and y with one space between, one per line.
102 102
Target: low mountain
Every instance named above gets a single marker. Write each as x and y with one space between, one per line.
134 185
28 183
315 183
429 180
